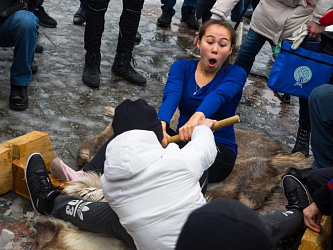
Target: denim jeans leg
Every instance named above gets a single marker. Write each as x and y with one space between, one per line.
170 3
190 3
250 47
237 11
321 118
21 31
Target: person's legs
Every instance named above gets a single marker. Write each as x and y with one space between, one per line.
167 13
250 47
170 3
237 11
303 133
128 27
203 9
188 14
81 14
46 199
92 41
319 178
21 31
223 164
280 225
96 217
62 172
321 116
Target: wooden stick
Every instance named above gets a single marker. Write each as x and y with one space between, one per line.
217 125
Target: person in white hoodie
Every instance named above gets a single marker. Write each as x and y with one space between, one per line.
151 187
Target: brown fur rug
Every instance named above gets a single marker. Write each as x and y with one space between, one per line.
258 170
259 166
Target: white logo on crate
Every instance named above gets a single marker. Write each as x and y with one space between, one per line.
302 74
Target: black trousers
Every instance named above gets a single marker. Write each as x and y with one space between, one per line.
97 217
128 25
223 164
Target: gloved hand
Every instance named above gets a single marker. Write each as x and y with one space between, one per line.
298 36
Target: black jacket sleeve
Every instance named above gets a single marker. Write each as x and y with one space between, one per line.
8 7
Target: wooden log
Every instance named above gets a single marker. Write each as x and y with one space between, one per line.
14 155
6 180
317 241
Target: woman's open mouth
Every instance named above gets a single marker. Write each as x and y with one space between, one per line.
212 62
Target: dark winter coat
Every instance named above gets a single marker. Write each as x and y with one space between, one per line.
9 7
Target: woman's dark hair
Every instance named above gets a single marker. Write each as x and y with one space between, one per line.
224 24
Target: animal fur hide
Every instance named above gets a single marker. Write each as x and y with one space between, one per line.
259 166
258 169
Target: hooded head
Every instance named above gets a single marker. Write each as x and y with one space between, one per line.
130 115
224 224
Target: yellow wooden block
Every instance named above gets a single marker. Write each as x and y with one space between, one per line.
317 241
19 183
6 180
33 142
14 155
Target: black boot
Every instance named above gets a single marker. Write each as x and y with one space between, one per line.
18 99
189 17
39 48
303 138
91 70
295 192
80 16
301 174
165 19
44 18
122 67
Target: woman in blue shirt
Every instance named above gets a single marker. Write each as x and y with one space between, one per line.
206 88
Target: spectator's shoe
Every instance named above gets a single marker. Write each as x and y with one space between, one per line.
189 17
44 18
62 172
295 192
137 37
91 70
41 190
18 99
165 19
303 138
34 67
301 174
122 67
39 48
80 16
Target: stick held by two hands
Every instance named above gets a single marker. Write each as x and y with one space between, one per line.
217 125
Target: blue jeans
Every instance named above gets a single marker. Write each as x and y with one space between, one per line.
321 117
20 30
237 11
186 3
251 45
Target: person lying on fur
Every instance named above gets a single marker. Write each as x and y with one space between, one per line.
151 190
